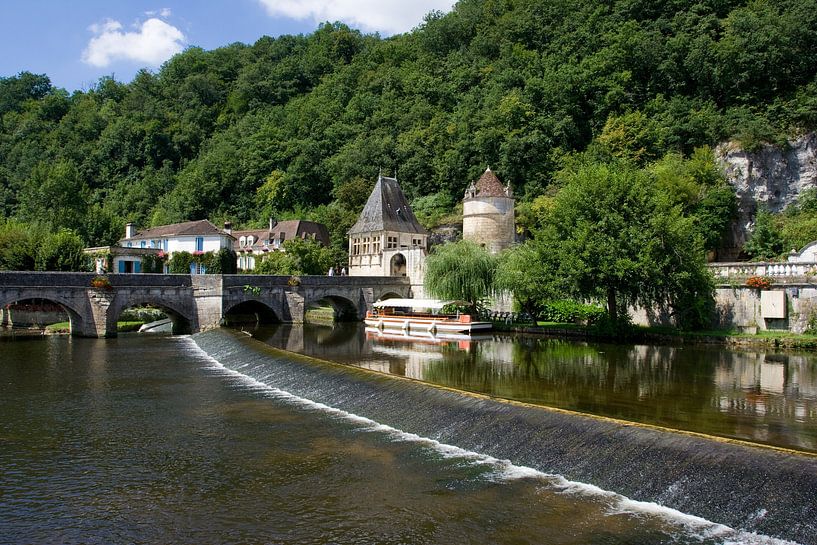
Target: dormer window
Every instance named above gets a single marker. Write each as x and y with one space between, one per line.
242 241
250 240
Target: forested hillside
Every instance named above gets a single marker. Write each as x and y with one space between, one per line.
302 124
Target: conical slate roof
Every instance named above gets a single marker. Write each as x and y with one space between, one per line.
387 210
489 185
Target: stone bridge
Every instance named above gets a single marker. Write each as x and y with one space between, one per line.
196 302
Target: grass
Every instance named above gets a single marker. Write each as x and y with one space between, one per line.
775 338
121 327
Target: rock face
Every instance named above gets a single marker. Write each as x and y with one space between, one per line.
771 177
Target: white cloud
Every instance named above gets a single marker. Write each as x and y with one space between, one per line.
387 16
164 13
152 42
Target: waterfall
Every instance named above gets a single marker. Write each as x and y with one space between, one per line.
757 489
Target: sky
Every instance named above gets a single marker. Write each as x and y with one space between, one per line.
77 42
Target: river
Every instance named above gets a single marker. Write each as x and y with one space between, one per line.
144 439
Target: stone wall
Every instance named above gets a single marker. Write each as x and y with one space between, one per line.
785 307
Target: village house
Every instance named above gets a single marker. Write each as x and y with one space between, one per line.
129 256
253 244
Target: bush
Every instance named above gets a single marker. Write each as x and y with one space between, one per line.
571 312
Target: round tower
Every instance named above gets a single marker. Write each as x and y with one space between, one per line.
487 213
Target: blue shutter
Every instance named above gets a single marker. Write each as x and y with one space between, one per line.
199 244
121 266
137 266
192 268
202 269
142 244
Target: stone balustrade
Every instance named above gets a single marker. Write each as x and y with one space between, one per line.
764 268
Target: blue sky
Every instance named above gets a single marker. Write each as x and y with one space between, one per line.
77 42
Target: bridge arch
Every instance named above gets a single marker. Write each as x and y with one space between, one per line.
343 309
389 295
76 317
250 311
183 319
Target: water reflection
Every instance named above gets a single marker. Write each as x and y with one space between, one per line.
763 397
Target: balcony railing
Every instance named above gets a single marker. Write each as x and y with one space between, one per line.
762 268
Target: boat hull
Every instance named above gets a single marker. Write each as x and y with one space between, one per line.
429 325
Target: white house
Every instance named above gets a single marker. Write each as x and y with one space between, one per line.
195 237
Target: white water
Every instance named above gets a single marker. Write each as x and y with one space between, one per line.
505 470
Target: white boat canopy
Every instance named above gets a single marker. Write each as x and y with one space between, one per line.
433 304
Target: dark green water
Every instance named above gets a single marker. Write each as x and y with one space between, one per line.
766 398
148 440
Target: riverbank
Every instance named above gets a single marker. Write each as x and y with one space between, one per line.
665 335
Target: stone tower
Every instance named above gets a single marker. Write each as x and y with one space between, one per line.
487 213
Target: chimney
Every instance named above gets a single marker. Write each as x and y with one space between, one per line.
228 227
130 230
272 224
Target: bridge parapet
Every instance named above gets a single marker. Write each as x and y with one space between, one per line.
198 301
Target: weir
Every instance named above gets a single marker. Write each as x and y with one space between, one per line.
768 491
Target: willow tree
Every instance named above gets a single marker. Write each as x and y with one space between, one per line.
460 270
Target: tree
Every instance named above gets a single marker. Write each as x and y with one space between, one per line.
610 236
62 251
300 256
18 245
462 271
765 241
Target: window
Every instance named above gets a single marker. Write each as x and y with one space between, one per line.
416 242
199 244
391 242
365 245
164 244
142 244
376 246
282 236
242 241
250 240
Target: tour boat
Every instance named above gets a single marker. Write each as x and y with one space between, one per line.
420 316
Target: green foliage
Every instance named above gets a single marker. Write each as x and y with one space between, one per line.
765 241
296 123
566 311
462 271
300 257
798 224
61 251
698 186
222 262
611 236
431 209
152 264
180 263
19 244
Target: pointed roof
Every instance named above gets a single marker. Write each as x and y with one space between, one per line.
489 185
387 210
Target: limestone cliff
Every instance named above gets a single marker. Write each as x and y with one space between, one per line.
772 176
